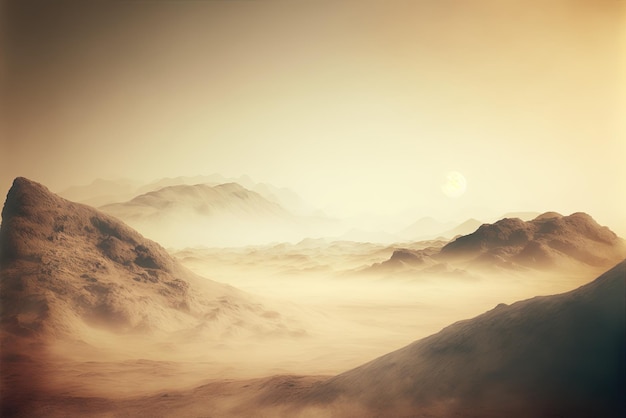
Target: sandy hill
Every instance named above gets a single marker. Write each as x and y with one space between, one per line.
559 355
549 356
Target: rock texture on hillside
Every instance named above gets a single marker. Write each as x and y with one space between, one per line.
547 240
66 266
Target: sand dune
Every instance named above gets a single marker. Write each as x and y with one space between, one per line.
558 355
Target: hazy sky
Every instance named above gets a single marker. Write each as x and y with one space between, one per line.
356 105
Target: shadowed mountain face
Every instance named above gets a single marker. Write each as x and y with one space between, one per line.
561 355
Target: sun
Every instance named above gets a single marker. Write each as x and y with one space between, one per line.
455 184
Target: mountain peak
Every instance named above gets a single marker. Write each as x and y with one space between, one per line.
51 246
24 199
24 194
202 214
232 187
33 218
80 267
548 215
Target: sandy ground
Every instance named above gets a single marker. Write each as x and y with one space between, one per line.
348 319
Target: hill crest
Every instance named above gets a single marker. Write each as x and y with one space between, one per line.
79 268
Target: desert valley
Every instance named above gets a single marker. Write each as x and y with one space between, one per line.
312 209
99 320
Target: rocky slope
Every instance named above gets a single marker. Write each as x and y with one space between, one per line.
548 240
66 266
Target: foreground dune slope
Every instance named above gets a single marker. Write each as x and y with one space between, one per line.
549 356
560 355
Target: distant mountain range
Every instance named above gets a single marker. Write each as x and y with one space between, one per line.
424 229
430 228
223 215
229 199
549 240
212 210
163 210
103 192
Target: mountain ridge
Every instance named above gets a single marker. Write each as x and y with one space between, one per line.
548 241
540 241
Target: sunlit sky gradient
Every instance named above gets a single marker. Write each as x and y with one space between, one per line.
359 106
